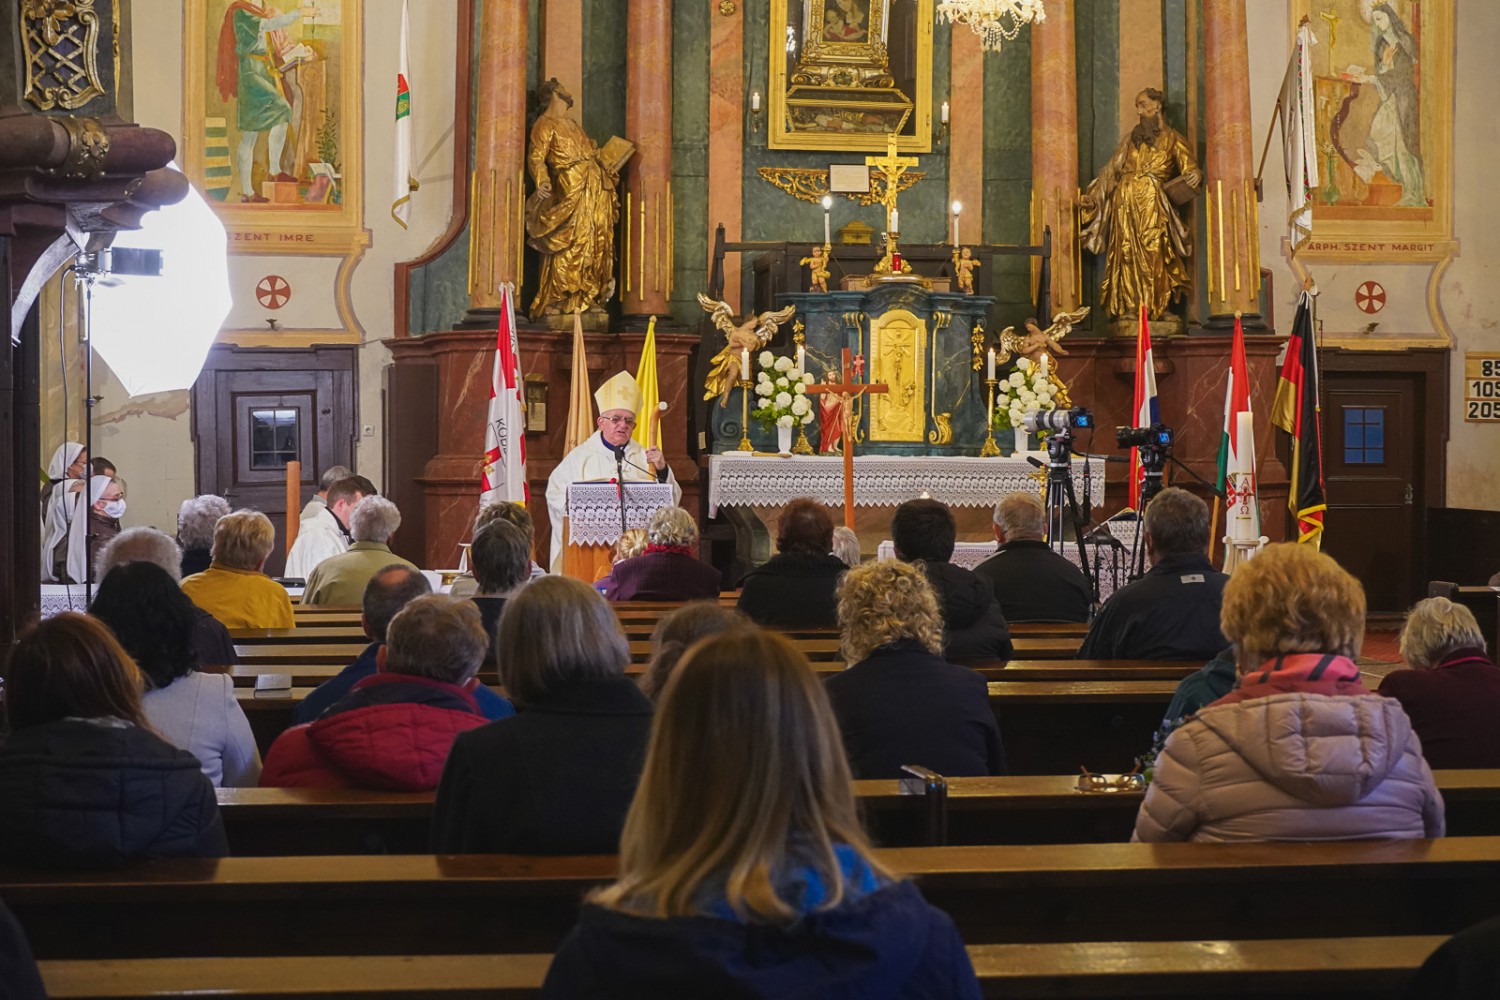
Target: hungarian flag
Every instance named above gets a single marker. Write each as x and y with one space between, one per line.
504 433
1146 410
1296 412
405 184
1237 480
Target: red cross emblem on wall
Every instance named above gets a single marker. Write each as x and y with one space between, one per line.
273 291
1370 297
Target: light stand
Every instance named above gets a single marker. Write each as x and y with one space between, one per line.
990 449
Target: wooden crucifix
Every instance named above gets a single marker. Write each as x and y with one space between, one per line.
846 389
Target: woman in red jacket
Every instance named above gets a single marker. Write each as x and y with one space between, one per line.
393 730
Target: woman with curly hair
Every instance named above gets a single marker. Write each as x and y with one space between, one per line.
668 569
900 702
747 874
155 622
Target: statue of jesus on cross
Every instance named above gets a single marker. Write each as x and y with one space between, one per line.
846 389
892 166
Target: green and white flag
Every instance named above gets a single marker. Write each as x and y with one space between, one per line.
405 184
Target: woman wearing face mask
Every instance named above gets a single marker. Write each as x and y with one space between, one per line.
105 512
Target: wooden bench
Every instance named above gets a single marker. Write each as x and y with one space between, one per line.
1286 968
427 904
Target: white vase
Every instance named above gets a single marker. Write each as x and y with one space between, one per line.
783 439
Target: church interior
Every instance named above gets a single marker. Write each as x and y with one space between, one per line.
759 261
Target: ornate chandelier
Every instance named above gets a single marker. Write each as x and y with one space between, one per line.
994 21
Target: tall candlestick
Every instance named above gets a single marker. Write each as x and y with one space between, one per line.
801 358
827 231
989 366
745 364
957 207
1043 366
895 221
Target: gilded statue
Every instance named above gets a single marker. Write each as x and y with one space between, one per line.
817 268
964 266
1035 343
750 335
570 218
1129 216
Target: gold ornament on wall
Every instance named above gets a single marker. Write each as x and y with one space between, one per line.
60 43
727 8
810 184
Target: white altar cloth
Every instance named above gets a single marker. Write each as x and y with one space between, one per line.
737 479
594 509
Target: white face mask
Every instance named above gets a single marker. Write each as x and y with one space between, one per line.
114 508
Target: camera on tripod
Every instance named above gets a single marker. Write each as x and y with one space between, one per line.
1157 436
1059 421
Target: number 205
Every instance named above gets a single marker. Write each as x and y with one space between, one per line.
1482 409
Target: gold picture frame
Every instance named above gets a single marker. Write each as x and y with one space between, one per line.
860 75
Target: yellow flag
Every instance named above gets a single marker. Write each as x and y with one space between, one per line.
645 377
580 398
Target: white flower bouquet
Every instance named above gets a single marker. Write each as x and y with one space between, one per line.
781 393
1025 390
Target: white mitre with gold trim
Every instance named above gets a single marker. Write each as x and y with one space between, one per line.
620 393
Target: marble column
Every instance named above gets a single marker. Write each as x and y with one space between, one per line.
726 134
1054 147
966 135
1232 221
562 47
646 246
497 191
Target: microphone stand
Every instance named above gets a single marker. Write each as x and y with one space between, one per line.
620 484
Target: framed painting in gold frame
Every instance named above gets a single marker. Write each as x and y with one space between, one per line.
261 85
845 73
1383 93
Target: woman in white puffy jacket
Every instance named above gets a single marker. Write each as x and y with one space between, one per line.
1299 750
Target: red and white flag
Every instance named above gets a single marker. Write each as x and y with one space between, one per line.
1145 410
505 432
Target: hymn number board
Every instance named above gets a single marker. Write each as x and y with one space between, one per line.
1482 388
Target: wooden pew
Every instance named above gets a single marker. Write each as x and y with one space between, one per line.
1018 894
1287 968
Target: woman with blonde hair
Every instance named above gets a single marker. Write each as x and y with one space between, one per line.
1298 750
899 702
85 781
1452 692
747 874
235 588
668 569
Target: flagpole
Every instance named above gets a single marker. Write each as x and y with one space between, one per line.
1213 531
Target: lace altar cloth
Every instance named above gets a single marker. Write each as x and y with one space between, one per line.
594 509
739 480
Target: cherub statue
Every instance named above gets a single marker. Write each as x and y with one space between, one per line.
751 335
964 266
817 266
1034 344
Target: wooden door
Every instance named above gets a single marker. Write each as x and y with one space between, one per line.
256 410
1372 473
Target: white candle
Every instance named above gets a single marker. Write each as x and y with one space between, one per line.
1044 366
989 366
801 358
755 101
944 117
895 221
745 363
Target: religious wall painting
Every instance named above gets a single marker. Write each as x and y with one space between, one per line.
273 136
844 73
1383 92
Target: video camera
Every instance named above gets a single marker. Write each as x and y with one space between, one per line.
1158 436
1058 421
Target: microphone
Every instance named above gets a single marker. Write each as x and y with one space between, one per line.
619 451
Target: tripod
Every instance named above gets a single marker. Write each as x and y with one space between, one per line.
1062 504
1153 460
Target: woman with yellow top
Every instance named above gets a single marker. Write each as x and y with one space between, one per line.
234 589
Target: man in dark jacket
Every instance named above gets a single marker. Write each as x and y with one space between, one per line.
501 558
924 533
1171 613
1032 582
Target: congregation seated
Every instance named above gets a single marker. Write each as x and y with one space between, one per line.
1032 582
1203 686
631 543
234 588
210 638
677 631
1452 692
974 628
326 532
748 874
84 781
390 590
18 971
195 530
899 702
501 560
1299 750
154 621
318 502
846 545
340 580
516 514
1172 612
796 587
668 570
558 777
393 730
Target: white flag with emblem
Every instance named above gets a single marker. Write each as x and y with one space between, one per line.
504 476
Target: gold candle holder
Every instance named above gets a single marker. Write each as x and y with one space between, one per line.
745 386
802 446
990 449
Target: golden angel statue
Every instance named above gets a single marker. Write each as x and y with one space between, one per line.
817 268
1129 216
1034 344
751 335
964 266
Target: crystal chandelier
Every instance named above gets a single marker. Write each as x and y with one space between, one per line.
994 21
